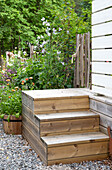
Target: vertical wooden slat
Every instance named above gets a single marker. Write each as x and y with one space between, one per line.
86 52
81 60
77 77
88 76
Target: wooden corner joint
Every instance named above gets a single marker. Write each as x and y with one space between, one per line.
110 142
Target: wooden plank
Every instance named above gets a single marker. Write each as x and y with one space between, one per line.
86 54
102 29
102 42
77 76
104 130
100 5
57 94
32 126
102 16
27 101
69 126
88 74
102 67
102 80
79 159
101 107
29 113
64 140
101 90
33 140
81 60
78 150
105 121
102 55
65 104
66 116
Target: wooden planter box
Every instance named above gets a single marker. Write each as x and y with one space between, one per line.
14 126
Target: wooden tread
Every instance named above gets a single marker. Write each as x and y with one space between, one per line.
55 93
74 139
66 116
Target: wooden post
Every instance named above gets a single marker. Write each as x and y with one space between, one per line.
78 75
88 76
81 60
31 50
86 53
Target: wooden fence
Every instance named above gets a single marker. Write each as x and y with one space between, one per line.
82 61
102 47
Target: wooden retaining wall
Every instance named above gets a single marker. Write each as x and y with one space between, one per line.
102 47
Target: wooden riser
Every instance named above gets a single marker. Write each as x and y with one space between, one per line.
76 122
55 103
88 146
68 123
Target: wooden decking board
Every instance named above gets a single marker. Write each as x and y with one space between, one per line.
74 139
71 126
29 113
77 150
79 159
35 148
55 93
64 104
37 143
32 126
66 116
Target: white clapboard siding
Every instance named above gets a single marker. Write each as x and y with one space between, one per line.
102 55
102 29
102 80
101 90
102 67
100 4
102 42
102 16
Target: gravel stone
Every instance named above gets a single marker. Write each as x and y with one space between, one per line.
17 154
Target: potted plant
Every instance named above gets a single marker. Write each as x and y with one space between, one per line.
11 109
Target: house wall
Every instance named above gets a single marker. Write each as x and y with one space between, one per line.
102 47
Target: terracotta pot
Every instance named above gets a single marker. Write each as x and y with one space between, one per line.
14 126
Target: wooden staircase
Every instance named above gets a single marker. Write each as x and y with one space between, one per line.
60 127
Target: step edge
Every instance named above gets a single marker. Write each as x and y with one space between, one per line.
68 118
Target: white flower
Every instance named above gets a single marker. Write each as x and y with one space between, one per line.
60 29
58 52
43 50
48 29
67 32
48 34
54 31
47 24
43 19
24 52
62 63
38 37
42 36
15 48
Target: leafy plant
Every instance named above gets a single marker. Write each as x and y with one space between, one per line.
11 102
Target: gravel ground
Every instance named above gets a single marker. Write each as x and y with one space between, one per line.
16 153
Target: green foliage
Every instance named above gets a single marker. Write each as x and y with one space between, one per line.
11 103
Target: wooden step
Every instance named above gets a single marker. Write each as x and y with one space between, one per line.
76 147
53 101
68 123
